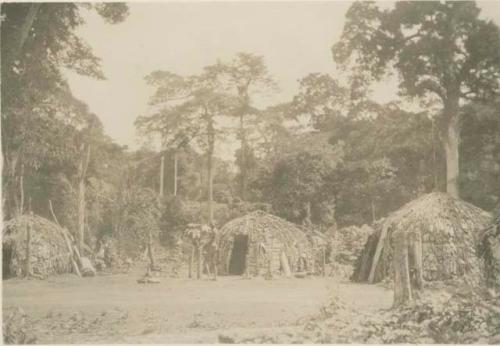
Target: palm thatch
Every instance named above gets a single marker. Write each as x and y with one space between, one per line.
449 229
48 249
259 240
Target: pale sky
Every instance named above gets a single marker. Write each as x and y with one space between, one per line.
294 37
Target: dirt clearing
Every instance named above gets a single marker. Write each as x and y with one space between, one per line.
114 308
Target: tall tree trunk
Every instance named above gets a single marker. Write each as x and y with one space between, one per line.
175 173
162 167
11 207
374 216
307 218
81 214
24 31
451 147
21 190
243 158
210 154
81 198
244 103
434 156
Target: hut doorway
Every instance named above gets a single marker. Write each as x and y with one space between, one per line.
238 255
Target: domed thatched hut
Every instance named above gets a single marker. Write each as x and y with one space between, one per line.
489 249
449 229
259 241
48 251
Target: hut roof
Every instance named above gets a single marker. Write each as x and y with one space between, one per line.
268 237
450 230
489 250
438 212
49 253
260 223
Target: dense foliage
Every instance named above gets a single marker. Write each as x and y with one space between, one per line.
330 156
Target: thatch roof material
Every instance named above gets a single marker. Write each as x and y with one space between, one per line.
489 250
449 228
268 236
49 252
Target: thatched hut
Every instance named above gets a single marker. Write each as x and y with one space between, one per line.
48 250
489 250
259 242
449 230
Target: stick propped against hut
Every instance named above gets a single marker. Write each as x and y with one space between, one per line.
260 242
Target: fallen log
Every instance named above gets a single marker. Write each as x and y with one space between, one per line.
86 267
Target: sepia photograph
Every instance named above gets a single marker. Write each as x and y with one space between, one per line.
250 172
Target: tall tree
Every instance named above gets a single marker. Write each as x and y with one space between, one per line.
295 183
247 74
188 107
439 49
38 40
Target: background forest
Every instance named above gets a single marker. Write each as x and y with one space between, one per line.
330 156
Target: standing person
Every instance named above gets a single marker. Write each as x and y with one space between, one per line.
211 251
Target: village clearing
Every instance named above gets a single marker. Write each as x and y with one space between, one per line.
114 308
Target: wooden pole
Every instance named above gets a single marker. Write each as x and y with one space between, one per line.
200 261
191 262
257 259
402 283
285 264
214 259
417 278
27 264
378 251
323 253
150 250
162 167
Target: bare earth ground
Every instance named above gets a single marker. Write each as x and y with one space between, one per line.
115 309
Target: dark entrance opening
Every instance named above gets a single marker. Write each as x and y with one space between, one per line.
6 258
238 255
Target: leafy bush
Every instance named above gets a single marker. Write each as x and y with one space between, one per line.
137 212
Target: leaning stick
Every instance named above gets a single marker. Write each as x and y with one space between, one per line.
67 240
